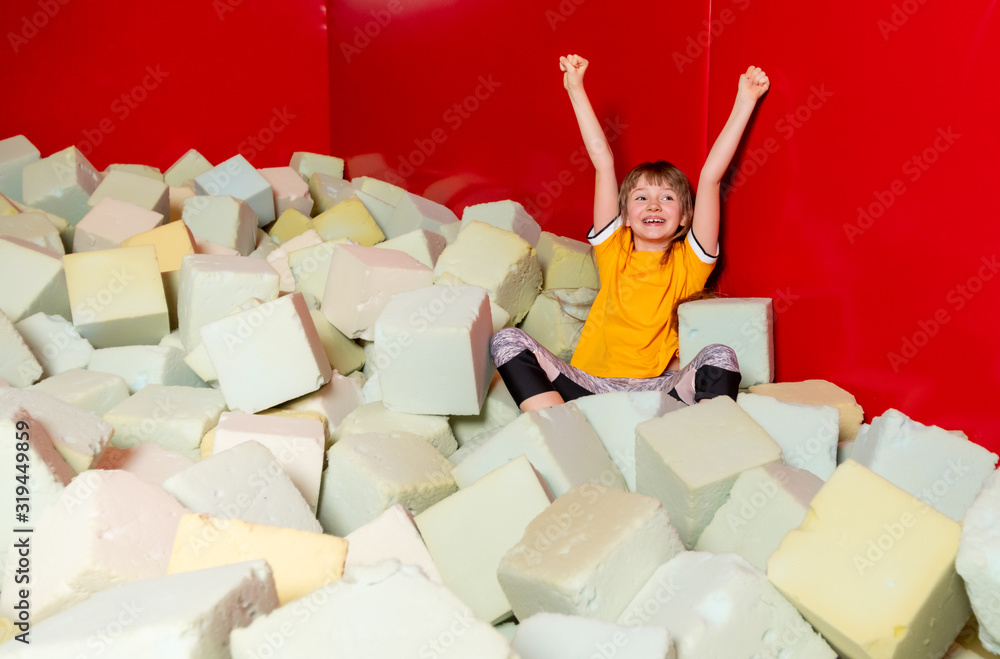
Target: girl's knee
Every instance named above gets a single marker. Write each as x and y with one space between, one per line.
719 354
509 340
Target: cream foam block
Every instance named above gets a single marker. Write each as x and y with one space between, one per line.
558 441
289 190
159 616
508 215
941 468
297 444
136 189
423 245
556 319
142 170
351 220
245 482
438 336
413 212
289 224
223 220
764 504
818 392
310 267
238 178
110 222
61 184
390 536
469 532
16 153
116 296
744 324
267 355
172 241
328 191
588 554
186 169
88 390
145 365
557 636
212 286
302 561
33 227
278 258
306 164
381 190
498 410
670 464
151 463
872 568
807 434
40 277
345 356
360 282
614 417
367 474
55 343
335 400
79 436
17 364
979 560
718 605
384 612
174 417
566 263
120 529
500 261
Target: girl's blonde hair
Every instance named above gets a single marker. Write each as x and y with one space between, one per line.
660 172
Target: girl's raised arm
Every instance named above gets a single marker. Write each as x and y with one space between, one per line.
753 84
605 184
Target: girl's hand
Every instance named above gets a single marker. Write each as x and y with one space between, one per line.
753 84
574 67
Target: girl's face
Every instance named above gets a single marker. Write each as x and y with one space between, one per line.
654 215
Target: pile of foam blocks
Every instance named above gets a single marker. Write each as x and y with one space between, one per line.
252 413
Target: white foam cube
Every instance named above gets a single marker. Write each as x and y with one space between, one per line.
305 164
289 190
116 296
88 390
450 231
556 319
558 441
151 463
16 153
186 169
744 324
423 245
135 189
120 529
223 220
469 532
367 474
55 343
718 605
212 286
413 212
670 464
334 400
39 278
566 263
381 190
310 268
978 560
557 636
174 417
328 191
941 468
360 282
33 227
818 392
267 355
297 444
765 503
17 363
506 214
439 336
807 434
159 613
588 554
278 258
614 417
345 356
500 261
372 614
142 170
61 184
144 365
390 536
245 482
238 178
498 410
112 221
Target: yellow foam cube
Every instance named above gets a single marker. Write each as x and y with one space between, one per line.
172 241
349 219
291 223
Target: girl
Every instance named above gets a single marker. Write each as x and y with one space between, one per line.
654 247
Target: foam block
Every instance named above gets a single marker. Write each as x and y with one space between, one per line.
348 219
412 212
506 214
144 365
390 536
135 189
566 263
423 245
289 224
556 319
186 169
61 184
151 463
142 170
16 153
223 220
40 277
334 401
345 356
978 560
807 434
238 178
306 164
556 636
88 390
498 410
18 366
55 343
744 324
289 190
33 227
670 466
328 191
818 392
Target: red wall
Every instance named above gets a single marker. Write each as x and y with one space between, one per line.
380 88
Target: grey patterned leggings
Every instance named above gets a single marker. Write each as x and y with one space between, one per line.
528 369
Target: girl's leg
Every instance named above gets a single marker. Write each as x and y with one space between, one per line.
533 374
713 372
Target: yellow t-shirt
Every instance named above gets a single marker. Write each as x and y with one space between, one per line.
628 332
